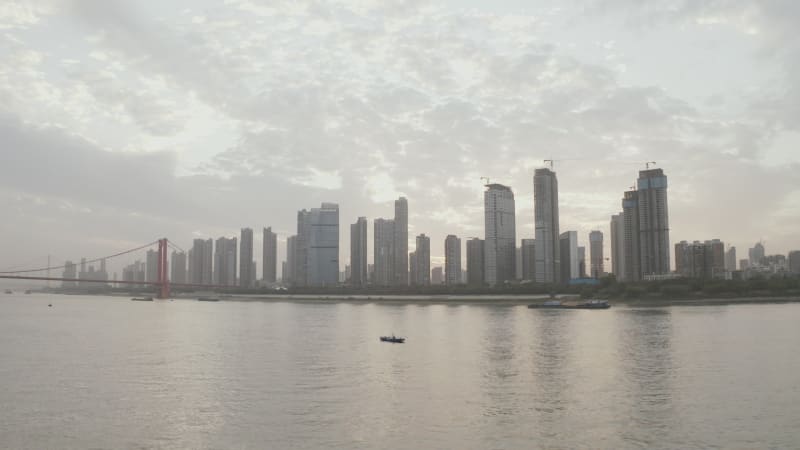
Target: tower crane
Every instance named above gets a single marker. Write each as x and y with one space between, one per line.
487 180
647 164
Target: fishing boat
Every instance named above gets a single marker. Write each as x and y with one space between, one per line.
393 339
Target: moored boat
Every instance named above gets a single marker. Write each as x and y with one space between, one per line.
394 339
208 299
142 299
594 304
555 304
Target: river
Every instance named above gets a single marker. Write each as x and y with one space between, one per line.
104 372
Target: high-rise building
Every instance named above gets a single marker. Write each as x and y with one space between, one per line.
70 273
756 254
618 246
225 261
568 250
437 276
528 250
500 243
653 222
545 206
200 262
384 236
401 242
358 252
582 261
452 260
700 259
246 276
794 261
631 236
152 267
291 260
269 256
475 263
178 267
422 258
596 253
300 269
323 246
730 259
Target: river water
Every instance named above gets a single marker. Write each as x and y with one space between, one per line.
102 372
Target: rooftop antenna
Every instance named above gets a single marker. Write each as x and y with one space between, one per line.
647 164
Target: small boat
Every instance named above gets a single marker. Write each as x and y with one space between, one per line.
393 339
142 299
28 291
9 291
208 299
556 304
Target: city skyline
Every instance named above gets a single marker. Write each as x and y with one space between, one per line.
85 102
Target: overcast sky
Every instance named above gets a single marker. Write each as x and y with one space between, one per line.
122 122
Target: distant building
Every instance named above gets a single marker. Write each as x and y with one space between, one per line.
291 260
358 252
269 256
225 261
596 253
323 246
702 260
384 252
582 262
618 246
545 205
247 277
70 273
421 276
200 262
500 229
794 261
568 251
437 276
653 222
631 237
475 263
178 267
730 259
400 252
452 260
756 254
152 267
528 257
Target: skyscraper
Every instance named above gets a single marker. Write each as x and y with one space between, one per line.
475 262
545 206
70 272
152 266
302 239
500 243
756 254
384 252
631 236
528 250
291 260
401 242
225 261
246 276
582 261
422 258
730 259
358 252
200 262
618 246
653 222
452 260
568 250
793 261
269 256
178 267
596 253
323 246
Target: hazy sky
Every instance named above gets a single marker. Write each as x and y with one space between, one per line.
122 122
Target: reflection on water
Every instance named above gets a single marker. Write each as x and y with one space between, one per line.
108 373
